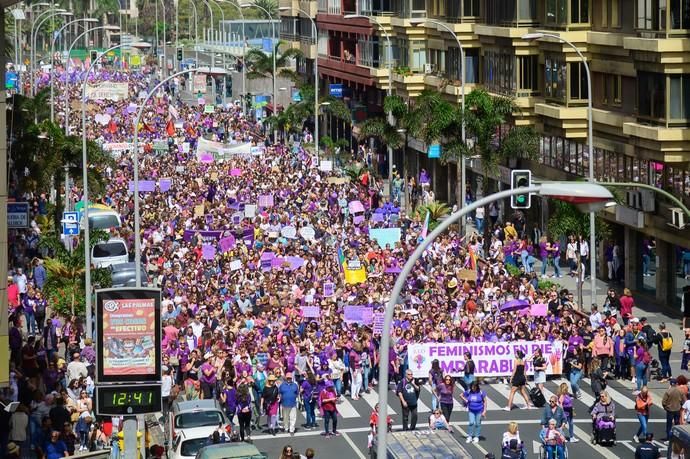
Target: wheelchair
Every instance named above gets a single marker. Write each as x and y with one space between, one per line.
518 453
543 454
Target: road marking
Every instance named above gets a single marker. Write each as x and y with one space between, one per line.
353 446
622 400
505 392
585 398
346 410
372 399
464 434
585 437
490 404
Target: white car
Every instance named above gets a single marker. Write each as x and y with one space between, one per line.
188 442
190 416
111 252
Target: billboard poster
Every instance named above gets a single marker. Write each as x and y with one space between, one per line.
129 335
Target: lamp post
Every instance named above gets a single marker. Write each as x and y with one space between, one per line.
221 35
52 60
462 173
137 230
316 76
210 10
19 40
165 61
34 33
583 193
243 101
196 33
274 51
389 90
590 145
85 198
69 53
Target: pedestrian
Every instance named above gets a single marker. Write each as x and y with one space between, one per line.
468 371
310 394
642 360
643 404
685 356
445 391
244 412
553 410
518 381
435 378
627 303
598 384
270 403
539 365
565 401
327 401
475 400
288 393
664 341
576 367
672 402
408 393
287 453
647 449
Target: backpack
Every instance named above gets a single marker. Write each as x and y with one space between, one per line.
567 401
666 342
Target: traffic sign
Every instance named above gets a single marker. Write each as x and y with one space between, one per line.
70 223
18 215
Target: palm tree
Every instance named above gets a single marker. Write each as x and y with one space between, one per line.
65 285
45 151
260 64
437 211
269 5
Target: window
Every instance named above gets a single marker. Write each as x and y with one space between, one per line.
323 43
578 81
679 101
499 72
527 73
680 14
554 78
471 8
651 95
452 8
556 12
651 14
418 8
418 49
501 12
579 11
614 13
612 90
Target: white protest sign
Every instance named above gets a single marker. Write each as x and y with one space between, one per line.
289 232
307 233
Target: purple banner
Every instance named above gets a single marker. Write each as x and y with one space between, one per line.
310 311
328 289
227 243
206 236
363 315
265 200
165 184
145 186
208 252
295 262
248 237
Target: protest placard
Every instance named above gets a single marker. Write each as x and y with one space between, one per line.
250 211
377 323
307 233
362 315
199 210
467 274
328 289
235 265
208 252
107 90
310 311
227 243
289 232
165 184
265 200
385 236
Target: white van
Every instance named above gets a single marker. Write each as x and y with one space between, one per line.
102 219
111 252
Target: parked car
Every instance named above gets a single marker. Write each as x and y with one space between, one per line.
124 275
230 451
111 252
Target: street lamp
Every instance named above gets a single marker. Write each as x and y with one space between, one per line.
274 49
85 198
314 31
389 58
69 53
52 60
34 34
590 145
587 196
243 101
461 163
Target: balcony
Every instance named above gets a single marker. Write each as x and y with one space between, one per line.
337 7
345 69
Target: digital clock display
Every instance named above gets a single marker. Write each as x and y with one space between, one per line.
129 399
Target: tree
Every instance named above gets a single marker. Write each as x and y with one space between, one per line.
65 287
565 219
260 63
437 211
485 115
269 5
44 151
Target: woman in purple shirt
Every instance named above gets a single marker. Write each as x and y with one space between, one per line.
444 391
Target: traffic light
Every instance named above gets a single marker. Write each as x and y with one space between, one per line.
179 54
94 56
520 179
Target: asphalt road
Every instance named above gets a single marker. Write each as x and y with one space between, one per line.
353 425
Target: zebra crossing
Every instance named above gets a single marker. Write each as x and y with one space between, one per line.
497 394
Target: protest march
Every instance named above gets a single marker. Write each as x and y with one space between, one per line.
275 273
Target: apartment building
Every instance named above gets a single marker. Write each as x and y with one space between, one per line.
638 52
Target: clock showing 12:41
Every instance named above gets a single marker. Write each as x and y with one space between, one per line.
118 400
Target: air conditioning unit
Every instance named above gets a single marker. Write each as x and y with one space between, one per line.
633 199
647 202
428 68
677 218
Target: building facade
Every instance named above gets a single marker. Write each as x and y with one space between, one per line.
638 52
